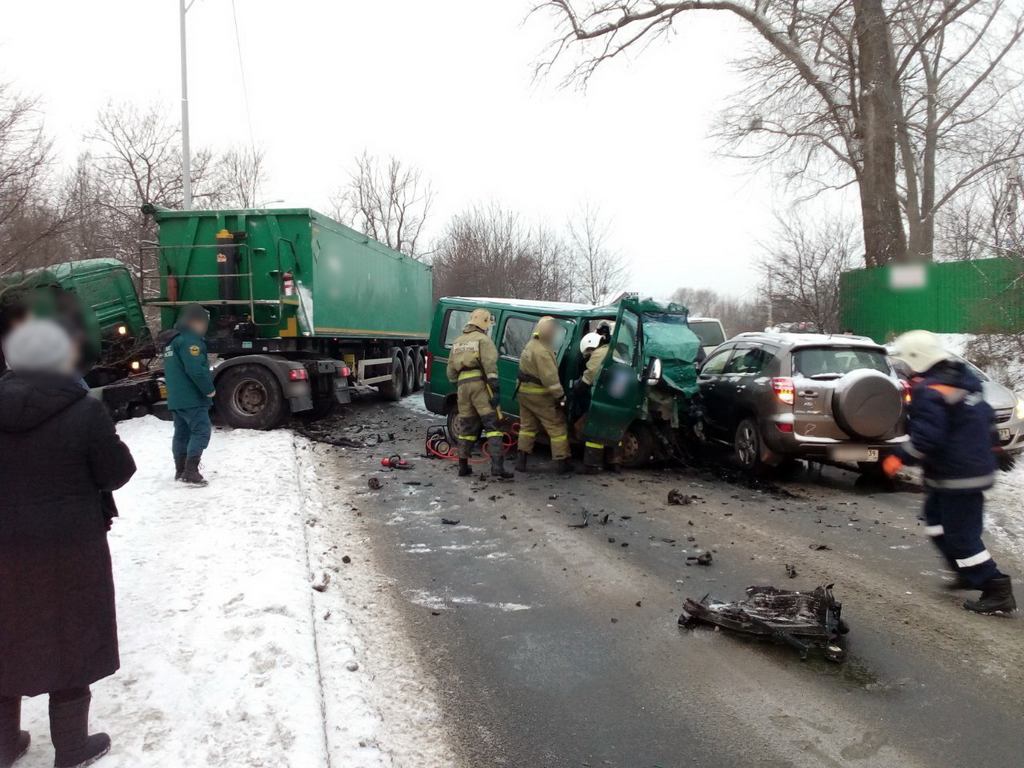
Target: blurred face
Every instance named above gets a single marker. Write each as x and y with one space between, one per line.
200 325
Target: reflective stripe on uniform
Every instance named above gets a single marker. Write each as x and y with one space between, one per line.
590 444
468 438
527 433
532 389
559 439
912 450
472 373
973 560
498 433
962 483
934 530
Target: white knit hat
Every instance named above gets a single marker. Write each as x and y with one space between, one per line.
39 345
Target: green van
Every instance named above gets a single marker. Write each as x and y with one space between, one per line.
642 395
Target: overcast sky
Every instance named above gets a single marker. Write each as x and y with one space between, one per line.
446 85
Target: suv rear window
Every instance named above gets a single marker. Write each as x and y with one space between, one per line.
709 333
833 362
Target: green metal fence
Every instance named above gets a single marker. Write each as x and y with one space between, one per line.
982 296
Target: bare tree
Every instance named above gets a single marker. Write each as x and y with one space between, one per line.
801 268
599 269
386 200
738 314
907 99
238 177
491 251
31 215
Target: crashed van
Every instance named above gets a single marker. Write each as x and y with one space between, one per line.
641 397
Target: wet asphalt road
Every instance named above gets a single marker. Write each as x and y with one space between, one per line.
557 646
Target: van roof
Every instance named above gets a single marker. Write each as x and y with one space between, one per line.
550 307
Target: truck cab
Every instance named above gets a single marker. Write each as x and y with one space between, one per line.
641 396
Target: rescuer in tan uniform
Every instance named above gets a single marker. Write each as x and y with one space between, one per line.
541 397
473 366
596 452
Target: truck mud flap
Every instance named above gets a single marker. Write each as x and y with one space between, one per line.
802 620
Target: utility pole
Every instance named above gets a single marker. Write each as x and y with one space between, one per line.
186 156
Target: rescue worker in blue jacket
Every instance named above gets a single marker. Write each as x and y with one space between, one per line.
190 391
951 437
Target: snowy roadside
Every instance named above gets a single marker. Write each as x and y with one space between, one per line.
228 656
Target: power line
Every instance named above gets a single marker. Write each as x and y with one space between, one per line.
241 69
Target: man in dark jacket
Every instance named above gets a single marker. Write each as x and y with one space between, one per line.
190 391
58 628
951 437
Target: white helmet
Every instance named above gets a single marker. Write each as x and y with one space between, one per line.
920 350
590 341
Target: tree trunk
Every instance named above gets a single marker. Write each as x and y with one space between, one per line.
884 239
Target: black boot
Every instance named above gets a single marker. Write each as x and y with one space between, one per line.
521 461
179 467
464 468
498 468
590 469
69 730
996 597
564 467
191 475
13 742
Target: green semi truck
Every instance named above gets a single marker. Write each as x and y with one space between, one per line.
304 310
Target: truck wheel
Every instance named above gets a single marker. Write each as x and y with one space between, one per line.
392 390
409 368
420 363
249 397
637 445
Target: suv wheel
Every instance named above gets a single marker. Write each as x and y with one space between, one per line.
746 445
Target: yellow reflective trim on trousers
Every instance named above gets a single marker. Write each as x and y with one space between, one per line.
594 445
468 438
494 434
526 433
533 389
559 439
470 374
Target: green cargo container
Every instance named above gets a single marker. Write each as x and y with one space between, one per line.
982 296
292 272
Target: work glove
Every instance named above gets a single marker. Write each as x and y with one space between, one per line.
892 464
580 388
495 396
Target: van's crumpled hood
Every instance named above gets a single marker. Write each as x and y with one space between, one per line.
668 337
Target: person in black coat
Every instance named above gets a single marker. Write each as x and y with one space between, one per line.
61 459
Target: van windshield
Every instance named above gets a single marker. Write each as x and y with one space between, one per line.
708 331
833 362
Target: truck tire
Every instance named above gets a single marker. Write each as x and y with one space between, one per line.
249 397
418 356
409 369
867 404
637 446
392 390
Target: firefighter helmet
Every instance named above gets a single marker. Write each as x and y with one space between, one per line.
481 318
920 350
590 342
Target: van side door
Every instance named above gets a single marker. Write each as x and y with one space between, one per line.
616 397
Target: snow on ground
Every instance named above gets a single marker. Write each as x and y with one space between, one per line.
228 656
1005 510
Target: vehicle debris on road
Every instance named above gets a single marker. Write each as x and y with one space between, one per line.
802 620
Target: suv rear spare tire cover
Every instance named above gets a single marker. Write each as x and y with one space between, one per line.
867 404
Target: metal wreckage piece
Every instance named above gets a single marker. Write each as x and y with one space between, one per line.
802 620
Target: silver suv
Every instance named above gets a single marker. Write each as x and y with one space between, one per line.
779 396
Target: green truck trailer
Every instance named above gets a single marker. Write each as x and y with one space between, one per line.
304 310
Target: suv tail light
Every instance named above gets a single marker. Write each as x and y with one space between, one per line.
905 386
298 374
428 360
344 372
783 388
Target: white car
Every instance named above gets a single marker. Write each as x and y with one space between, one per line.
709 330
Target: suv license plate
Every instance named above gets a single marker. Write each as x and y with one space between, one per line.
853 453
1004 435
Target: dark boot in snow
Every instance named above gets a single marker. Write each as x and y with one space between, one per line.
996 597
464 468
69 730
179 467
191 475
521 462
564 467
13 742
498 469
